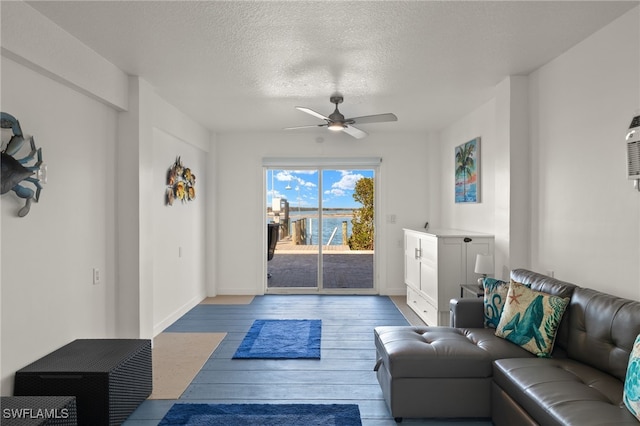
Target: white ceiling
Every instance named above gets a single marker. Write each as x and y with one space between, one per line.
243 66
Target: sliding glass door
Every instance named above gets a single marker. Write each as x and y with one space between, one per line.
292 205
347 255
324 220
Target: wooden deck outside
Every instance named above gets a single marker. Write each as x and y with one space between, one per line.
286 246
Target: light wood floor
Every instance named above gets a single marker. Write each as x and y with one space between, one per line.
343 375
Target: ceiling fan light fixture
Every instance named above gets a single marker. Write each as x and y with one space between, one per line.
336 122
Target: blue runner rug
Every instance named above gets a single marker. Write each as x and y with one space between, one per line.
263 414
281 339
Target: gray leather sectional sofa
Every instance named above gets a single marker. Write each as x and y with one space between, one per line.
465 371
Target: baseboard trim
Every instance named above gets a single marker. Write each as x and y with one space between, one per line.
175 315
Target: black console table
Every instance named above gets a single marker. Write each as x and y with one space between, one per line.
473 289
108 377
38 411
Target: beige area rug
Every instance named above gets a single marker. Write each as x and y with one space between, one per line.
228 300
401 304
177 358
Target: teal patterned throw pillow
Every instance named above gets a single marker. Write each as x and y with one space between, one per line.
530 319
495 293
632 381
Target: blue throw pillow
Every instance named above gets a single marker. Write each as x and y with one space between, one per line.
632 381
495 293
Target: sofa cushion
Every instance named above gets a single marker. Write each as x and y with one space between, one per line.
530 319
632 382
432 352
495 293
603 330
496 347
466 313
563 391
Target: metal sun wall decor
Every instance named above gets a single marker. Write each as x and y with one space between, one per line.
181 183
16 172
467 172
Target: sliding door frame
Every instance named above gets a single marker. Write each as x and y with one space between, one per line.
322 164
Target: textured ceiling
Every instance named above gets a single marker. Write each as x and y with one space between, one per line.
244 65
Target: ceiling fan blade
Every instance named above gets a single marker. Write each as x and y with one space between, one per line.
377 118
354 131
306 127
312 112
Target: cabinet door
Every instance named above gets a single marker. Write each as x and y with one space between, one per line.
412 260
429 269
451 272
477 245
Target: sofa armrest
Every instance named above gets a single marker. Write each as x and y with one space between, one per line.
467 313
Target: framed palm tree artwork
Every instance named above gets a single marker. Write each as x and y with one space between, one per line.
467 172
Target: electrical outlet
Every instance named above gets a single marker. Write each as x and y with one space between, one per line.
96 276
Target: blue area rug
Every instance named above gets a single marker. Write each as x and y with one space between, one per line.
263 414
281 339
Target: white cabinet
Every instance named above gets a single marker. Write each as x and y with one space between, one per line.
436 263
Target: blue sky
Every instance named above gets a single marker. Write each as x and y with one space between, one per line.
300 187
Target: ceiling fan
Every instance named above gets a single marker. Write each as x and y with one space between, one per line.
337 122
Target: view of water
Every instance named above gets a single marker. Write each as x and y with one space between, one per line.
329 223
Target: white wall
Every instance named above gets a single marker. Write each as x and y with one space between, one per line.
179 250
477 217
179 283
48 297
155 286
580 216
403 191
496 123
586 220
103 199
55 53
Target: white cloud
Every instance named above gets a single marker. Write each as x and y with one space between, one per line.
336 192
284 176
348 181
288 176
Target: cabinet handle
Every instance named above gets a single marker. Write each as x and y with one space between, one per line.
467 240
418 253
